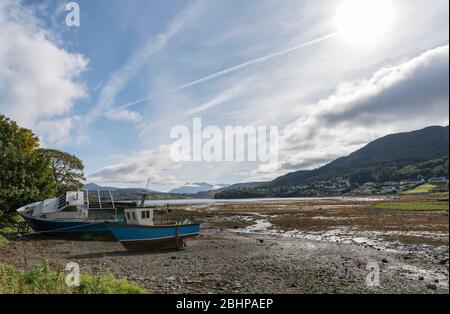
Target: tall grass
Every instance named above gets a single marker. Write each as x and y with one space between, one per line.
43 280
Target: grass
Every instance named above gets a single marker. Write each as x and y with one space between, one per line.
3 240
442 195
421 189
43 280
6 229
414 206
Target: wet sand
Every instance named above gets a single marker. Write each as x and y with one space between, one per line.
319 246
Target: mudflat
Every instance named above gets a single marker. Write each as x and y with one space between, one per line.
330 245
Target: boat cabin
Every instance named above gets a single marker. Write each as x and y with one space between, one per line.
140 216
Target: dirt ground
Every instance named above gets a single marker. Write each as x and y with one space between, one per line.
331 245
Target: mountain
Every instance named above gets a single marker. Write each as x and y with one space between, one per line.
133 193
395 149
93 186
236 186
193 188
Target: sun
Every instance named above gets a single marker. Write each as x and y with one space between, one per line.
364 22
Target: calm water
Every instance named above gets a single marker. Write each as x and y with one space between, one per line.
249 200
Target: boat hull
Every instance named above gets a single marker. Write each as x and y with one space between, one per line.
148 238
67 227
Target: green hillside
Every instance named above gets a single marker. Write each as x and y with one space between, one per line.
392 151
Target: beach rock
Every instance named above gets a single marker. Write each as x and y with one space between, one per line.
431 287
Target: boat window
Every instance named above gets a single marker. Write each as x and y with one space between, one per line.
143 214
134 215
128 216
148 214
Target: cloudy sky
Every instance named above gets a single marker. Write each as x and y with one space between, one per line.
332 75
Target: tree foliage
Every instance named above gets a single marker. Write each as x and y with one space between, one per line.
25 174
67 170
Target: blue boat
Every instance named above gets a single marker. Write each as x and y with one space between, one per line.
67 227
139 232
74 214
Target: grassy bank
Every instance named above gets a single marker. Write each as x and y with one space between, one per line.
428 205
6 228
43 280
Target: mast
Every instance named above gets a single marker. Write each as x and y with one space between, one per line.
144 195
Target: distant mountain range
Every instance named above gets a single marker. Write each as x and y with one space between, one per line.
193 188
245 185
133 193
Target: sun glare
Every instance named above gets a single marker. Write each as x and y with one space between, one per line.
364 22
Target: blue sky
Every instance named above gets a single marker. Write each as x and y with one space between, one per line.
328 98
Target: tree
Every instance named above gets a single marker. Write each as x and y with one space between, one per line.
25 174
67 170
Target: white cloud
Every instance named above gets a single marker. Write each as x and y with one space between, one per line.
397 98
38 79
137 168
58 132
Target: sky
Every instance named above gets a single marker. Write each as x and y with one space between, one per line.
332 75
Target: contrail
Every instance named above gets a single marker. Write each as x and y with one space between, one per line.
230 70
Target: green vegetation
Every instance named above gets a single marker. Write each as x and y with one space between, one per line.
414 206
67 170
421 189
41 279
3 241
441 195
28 173
25 174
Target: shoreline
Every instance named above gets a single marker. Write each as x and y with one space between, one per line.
321 246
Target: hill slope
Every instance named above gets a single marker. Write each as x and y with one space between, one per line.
410 147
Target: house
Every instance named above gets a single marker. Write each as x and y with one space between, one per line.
389 189
367 188
412 181
438 180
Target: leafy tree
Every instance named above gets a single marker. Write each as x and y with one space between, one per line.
25 174
362 176
440 171
67 170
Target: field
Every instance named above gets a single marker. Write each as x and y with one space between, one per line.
414 206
